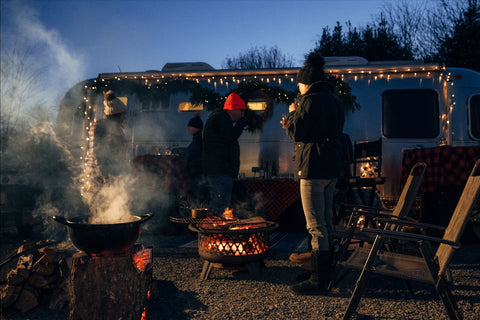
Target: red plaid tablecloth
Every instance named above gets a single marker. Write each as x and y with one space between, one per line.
276 195
446 165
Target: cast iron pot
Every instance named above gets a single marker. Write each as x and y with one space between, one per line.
98 238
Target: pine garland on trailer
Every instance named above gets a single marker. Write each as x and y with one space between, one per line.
249 90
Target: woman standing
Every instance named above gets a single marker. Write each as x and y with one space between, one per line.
315 124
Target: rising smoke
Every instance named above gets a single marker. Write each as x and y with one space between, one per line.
31 149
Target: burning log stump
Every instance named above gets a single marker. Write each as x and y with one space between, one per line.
112 286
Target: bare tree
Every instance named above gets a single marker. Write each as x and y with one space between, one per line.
408 19
19 83
422 25
260 58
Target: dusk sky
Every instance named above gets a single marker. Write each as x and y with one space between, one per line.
78 39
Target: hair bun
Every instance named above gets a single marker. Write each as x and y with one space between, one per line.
315 60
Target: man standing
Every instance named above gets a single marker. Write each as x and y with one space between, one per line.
221 151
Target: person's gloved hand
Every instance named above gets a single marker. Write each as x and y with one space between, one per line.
242 122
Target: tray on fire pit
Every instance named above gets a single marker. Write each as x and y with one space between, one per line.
240 226
216 224
188 220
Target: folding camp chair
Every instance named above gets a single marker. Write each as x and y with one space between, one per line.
430 267
347 233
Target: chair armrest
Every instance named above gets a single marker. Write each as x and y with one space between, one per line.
408 236
410 223
352 206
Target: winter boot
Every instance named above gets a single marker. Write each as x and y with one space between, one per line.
319 277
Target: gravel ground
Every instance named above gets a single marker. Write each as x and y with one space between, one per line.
232 293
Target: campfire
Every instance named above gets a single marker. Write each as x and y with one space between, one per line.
232 241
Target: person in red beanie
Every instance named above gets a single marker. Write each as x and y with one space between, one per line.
221 151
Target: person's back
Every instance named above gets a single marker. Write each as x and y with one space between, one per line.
221 148
221 151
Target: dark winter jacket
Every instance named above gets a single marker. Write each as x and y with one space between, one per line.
221 151
316 127
194 155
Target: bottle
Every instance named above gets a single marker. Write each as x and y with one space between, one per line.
274 170
262 170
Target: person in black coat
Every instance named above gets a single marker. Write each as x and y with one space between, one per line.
194 161
314 124
221 151
109 138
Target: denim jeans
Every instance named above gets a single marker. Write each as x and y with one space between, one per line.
317 202
220 189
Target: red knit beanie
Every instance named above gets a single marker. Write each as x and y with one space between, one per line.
234 102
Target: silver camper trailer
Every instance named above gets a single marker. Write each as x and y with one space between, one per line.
406 104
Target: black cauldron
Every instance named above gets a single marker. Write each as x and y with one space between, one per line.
98 238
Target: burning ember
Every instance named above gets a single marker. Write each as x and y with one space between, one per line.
246 244
142 258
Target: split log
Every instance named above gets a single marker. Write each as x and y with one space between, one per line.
60 298
108 287
9 295
27 300
49 254
41 281
18 276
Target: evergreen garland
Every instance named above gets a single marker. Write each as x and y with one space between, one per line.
250 90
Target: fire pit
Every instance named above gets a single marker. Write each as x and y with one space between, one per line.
233 243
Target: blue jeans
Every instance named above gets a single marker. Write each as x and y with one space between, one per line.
220 188
317 202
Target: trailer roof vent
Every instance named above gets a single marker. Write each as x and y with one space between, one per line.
345 61
186 66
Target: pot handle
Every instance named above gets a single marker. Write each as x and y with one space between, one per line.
61 220
146 217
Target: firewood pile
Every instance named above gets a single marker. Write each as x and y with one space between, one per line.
36 273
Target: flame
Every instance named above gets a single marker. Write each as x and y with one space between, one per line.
361 222
237 248
142 258
248 226
228 214
367 170
144 313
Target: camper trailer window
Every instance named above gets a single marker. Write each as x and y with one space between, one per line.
188 106
475 116
410 114
160 104
257 105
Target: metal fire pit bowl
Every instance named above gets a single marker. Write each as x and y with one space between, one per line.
239 246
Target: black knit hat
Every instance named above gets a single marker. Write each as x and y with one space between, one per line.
312 71
196 122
